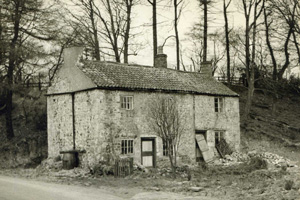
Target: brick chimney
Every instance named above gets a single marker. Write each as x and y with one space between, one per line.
206 68
161 58
71 55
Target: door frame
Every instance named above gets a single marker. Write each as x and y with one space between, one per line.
153 139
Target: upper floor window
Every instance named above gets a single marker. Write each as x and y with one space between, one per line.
219 104
126 146
127 102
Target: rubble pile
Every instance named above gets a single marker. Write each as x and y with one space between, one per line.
50 165
274 159
238 158
76 172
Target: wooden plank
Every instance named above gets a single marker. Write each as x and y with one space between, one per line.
207 154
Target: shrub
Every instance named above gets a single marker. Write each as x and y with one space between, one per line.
257 163
289 184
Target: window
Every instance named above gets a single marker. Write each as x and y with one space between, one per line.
127 146
219 135
219 104
166 144
127 102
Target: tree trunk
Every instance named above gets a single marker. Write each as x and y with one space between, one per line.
154 26
115 39
227 40
95 32
205 31
176 35
248 70
128 23
10 70
287 55
172 163
274 76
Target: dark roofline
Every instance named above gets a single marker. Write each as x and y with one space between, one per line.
143 90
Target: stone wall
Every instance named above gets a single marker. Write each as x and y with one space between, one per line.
59 119
101 124
229 120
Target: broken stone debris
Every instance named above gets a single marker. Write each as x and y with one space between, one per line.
271 158
196 189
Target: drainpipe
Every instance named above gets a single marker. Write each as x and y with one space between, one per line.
73 119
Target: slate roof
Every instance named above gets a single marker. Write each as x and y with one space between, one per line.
136 77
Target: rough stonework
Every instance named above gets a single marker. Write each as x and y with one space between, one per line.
100 122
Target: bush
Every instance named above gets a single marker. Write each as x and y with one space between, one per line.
289 184
257 163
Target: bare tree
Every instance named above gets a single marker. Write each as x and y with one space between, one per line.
176 20
129 5
257 6
26 22
205 4
167 122
287 10
154 27
225 7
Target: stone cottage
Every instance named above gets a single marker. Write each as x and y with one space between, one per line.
99 107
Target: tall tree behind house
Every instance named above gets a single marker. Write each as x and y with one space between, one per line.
105 22
205 3
154 26
257 6
225 10
177 14
24 22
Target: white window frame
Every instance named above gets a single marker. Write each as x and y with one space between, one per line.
219 104
127 102
126 146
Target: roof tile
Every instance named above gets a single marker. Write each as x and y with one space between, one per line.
116 75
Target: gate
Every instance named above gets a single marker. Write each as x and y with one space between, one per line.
123 167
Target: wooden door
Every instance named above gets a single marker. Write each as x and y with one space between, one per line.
148 152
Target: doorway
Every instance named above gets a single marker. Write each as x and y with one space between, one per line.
148 150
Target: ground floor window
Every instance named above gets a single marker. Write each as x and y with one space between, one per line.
219 135
126 146
166 145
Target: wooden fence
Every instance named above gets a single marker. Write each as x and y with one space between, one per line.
234 80
123 167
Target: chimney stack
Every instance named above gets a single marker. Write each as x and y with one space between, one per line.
71 55
161 58
206 68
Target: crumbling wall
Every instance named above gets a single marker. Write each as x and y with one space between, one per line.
228 120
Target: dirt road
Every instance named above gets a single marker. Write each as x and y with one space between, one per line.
12 188
22 189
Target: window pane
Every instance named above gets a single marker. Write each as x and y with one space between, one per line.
123 152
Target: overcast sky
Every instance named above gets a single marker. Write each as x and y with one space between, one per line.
191 15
